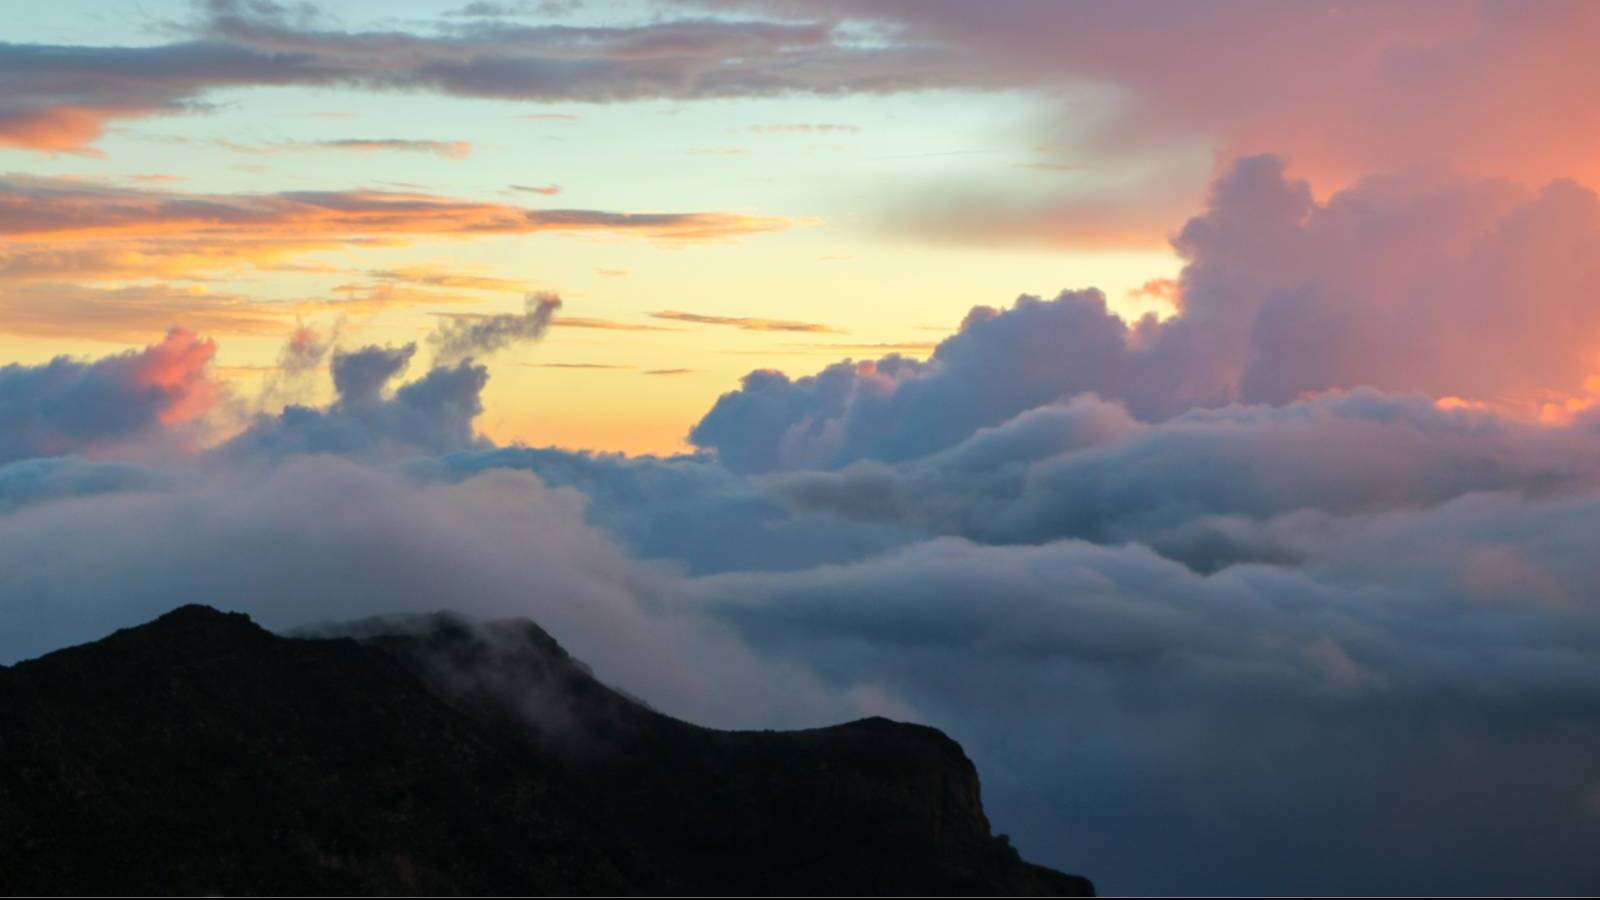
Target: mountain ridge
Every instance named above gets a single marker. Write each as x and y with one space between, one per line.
200 753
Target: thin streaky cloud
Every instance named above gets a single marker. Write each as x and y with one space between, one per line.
744 323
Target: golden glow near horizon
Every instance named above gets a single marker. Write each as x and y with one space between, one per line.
377 213
777 229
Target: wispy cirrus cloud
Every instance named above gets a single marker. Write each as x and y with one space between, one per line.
446 149
34 208
79 231
438 276
743 323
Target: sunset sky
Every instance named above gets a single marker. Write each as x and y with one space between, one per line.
1115 385
837 219
840 180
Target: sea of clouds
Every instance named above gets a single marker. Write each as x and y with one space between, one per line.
1290 591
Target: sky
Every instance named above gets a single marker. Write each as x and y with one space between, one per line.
1191 408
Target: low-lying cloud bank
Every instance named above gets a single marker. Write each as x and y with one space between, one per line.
1290 592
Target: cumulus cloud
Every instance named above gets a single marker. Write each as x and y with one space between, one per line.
1209 488
70 406
1281 296
433 414
997 366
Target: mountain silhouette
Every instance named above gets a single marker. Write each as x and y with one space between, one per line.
200 754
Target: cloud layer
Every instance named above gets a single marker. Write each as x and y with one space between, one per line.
1210 615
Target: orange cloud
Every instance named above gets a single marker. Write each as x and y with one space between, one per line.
131 314
55 129
64 230
42 208
177 368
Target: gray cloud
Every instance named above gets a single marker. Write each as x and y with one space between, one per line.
1334 729
461 338
68 406
1210 487
322 539
431 415
60 98
360 376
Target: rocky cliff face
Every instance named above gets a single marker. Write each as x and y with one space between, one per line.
202 754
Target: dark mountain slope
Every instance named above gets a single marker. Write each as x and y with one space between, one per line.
202 754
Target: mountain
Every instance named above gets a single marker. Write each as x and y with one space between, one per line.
200 754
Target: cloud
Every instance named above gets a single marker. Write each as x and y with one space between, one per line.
433 414
1209 488
39 208
485 9
463 338
998 365
604 324
1290 590
1320 730
74 231
1281 296
433 276
131 314
325 539
742 323
60 98
578 365
1425 617
689 511
1377 678
42 479
446 149
1346 83
300 358
360 376
68 406
804 128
